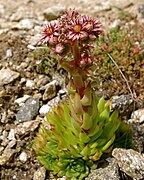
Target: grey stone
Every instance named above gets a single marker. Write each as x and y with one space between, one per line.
137 125
42 81
120 101
60 80
141 10
54 12
131 162
50 90
54 102
109 172
7 76
124 103
28 111
40 174
137 134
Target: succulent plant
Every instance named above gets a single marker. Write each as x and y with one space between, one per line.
77 132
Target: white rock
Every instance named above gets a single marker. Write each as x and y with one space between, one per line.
25 24
9 53
14 177
29 83
5 30
44 109
7 76
11 135
40 174
23 157
21 100
31 47
2 10
138 115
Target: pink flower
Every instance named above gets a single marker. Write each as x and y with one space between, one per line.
59 48
71 36
92 26
86 59
50 33
76 31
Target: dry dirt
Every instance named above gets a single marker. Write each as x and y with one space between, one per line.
11 12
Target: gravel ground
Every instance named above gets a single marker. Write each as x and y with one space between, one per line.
29 89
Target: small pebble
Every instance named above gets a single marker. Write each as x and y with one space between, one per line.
11 135
29 83
31 47
21 100
44 109
23 157
9 53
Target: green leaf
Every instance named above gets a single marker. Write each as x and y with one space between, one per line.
87 121
86 151
104 115
77 104
84 137
100 105
87 98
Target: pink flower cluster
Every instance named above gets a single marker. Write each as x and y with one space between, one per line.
72 34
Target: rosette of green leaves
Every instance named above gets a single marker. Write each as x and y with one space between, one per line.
76 134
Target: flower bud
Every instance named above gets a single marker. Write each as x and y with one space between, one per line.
92 37
53 40
59 48
83 35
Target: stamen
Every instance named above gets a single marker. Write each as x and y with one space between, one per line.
77 28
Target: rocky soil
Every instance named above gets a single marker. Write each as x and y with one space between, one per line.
31 83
